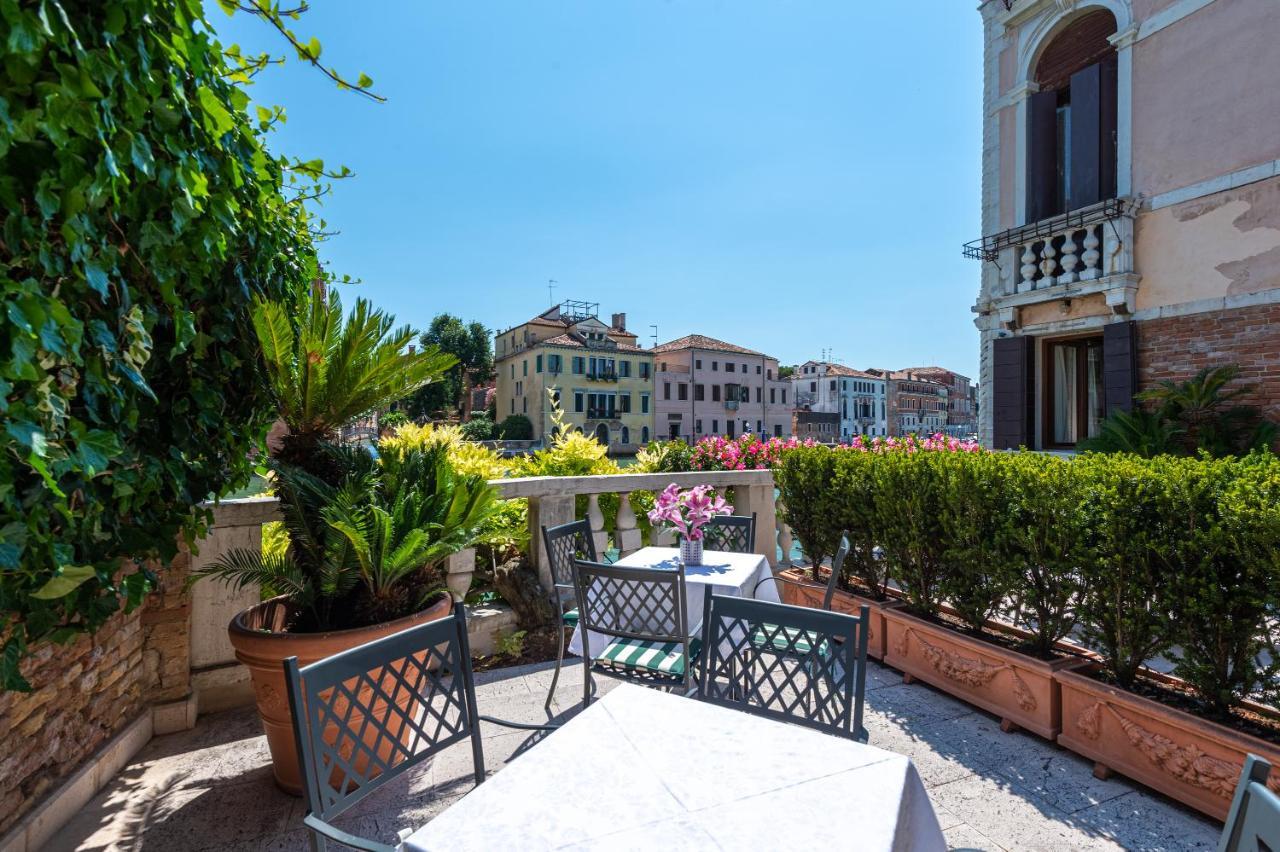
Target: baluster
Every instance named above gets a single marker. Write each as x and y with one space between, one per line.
786 542
599 535
1048 266
1091 255
459 569
1069 259
628 539
1028 270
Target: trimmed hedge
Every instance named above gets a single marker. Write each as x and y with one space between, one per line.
1136 557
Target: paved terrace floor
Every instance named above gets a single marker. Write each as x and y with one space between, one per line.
210 788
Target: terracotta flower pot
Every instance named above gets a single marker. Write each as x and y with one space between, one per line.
1190 759
811 595
256 634
1018 688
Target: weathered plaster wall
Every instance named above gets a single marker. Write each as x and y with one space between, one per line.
1092 305
1221 245
1205 99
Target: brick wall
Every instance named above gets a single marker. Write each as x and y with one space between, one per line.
1178 347
87 691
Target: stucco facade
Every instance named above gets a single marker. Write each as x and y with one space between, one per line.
603 380
857 396
705 387
1189 228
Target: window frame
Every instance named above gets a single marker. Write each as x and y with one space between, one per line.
1081 344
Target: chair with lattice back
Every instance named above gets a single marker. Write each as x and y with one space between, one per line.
730 533
790 663
1253 825
833 578
365 716
564 544
642 613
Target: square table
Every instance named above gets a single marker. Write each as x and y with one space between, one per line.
642 769
723 572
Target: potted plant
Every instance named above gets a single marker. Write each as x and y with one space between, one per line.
686 513
366 535
824 495
1186 561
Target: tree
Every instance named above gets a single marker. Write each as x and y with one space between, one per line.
517 427
469 344
141 213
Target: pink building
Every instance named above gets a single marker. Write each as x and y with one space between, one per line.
705 386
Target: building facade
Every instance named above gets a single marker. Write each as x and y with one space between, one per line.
962 418
1130 207
706 387
916 405
820 426
858 396
602 379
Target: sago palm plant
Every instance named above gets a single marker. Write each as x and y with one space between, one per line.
325 368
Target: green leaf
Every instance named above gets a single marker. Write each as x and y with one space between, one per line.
140 153
228 6
364 81
313 48
67 581
38 465
96 449
218 119
28 435
97 278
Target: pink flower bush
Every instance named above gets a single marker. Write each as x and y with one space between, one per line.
911 443
750 453
687 512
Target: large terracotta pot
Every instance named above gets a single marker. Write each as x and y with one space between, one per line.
811 594
1018 688
256 634
1192 760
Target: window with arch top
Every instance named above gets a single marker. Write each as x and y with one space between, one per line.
1071 120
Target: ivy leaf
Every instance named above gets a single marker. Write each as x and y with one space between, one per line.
29 435
218 119
65 582
38 465
96 449
97 278
140 153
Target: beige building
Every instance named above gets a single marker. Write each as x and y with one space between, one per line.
604 381
707 387
1130 206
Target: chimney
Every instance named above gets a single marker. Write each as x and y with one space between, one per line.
620 322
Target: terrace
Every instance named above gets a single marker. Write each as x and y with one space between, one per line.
209 786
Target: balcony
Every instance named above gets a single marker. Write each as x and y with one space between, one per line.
1084 252
731 404
602 376
602 414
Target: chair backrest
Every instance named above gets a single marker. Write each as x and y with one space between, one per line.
367 715
837 565
632 603
565 544
1253 825
730 533
791 663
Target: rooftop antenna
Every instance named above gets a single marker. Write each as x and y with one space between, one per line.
654 335
551 286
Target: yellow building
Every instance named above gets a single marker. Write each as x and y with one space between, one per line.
604 381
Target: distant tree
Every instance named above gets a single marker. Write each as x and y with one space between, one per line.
480 428
469 343
517 427
786 372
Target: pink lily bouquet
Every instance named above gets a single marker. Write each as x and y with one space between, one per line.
687 512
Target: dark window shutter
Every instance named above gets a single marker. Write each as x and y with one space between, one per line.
1012 398
1108 113
1042 156
1119 365
1086 138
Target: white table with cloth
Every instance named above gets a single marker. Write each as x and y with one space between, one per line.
645 769
724 573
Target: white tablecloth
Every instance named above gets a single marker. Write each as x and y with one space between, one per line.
724 573
644 769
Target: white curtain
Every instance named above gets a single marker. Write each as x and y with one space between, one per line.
1064 395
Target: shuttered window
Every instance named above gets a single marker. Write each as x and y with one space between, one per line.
1013 400
1120 365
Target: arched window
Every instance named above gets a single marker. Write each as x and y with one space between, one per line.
1071 120
626 435
644 434
602 434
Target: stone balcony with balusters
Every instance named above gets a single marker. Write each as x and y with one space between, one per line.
1080 253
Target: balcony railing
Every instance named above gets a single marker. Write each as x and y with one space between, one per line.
731 404
602 376
602 414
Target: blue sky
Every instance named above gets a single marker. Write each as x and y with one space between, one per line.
788 175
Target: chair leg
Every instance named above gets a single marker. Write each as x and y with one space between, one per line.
586 682
317 842
555 678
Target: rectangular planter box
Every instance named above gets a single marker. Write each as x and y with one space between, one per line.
1192 760
811 594
1021 690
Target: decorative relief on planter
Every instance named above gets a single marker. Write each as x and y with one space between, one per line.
970 672
1186 763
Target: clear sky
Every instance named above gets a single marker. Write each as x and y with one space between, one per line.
788 175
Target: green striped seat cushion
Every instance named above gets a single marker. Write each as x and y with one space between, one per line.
786 639
570 618
662 657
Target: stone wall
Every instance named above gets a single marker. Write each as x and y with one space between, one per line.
82 694
1176 348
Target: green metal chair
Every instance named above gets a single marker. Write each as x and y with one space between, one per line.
564 544
781 640
1253 824
730 533
368 715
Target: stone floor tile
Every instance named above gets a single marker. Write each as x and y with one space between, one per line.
917 705
1141 820
936 765
1011 817
962 838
